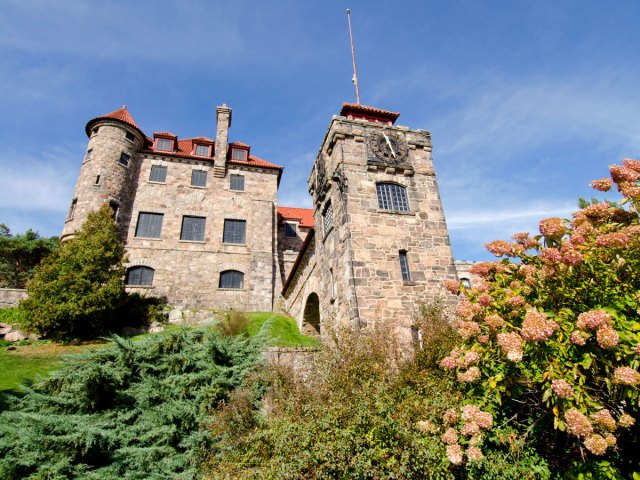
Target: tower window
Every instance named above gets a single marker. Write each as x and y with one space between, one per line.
290 230
235 231
202 150
198 178
149 225
238 154
139 276
404 266
231 279
87 155
72 209
97 182
158 174
124 159
392 197
193 228
95 130
130 136
236 183
327 219
164 145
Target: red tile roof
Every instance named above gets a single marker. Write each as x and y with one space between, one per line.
165 134
354 109
238 144
255 162
121 115
303 215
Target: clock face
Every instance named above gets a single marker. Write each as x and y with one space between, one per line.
388 146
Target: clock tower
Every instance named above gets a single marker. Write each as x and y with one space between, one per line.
380 246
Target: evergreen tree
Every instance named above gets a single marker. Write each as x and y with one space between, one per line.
19 255
76 290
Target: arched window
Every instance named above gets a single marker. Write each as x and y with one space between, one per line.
392 197
465 282
231 279
139 276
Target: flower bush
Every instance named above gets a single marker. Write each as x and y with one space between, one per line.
554 329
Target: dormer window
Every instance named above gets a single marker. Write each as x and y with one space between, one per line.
239 154
164 144
202 150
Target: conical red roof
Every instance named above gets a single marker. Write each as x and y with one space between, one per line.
122 115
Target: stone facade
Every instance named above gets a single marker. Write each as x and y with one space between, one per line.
349 259
353 269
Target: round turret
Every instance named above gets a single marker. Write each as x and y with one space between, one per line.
109 169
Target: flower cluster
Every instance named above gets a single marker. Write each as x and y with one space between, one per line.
571 256
536 327
553 227
604 419
607 337
471 375
562 388
452 286
499 248
473 422
511 344
602 185
626 376
615 239
494 321
577 424
593 320
468 329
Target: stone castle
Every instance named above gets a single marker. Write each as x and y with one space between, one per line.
203 228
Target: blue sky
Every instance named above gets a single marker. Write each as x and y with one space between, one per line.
527 101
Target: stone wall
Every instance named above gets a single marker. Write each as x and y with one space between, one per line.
299 360
10 297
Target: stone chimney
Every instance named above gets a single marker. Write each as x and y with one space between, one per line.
223 122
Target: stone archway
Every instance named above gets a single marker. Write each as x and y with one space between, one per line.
311 316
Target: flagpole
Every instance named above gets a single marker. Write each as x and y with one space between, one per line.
353 58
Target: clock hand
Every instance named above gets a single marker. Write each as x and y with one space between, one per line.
389 143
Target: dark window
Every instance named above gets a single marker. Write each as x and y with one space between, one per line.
465 282
124 159
327 219
72 209
164 145
139 276
158 174
290 230
231 279
234 231
202 150
198 178
87 155
95 130
130 136
392 197
149 225
192 228
238 154
237 183
97 180
115 208
404 266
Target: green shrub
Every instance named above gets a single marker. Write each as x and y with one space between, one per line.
76 290
363 410
129 410
12 316
233 324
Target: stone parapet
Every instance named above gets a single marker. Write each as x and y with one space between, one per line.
10 297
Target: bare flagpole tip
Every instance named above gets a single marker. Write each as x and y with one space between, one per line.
353 58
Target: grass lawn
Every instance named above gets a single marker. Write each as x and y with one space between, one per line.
28 362
278 330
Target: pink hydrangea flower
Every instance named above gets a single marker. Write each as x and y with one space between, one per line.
516 301
571 256
626 421
473 414
629 190
602 185
579 337
452 286
470 428
597 212
626 376
550 255
623 174
610 439
466 309
593 320
468 329
449 363
596 444
482 269
631 163
451 416
604 419
552 227
454 454
484 299
562 388
450 436
615 239
536 327
470 376
499 248
483 339
511 344
471 358
577 423
607 337
474 454
521 237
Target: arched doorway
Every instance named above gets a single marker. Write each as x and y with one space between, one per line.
311 315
